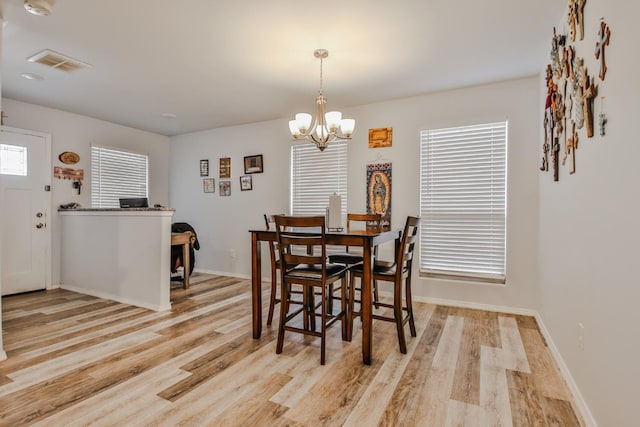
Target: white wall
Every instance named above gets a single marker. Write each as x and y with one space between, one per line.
73 132
590 233
222 222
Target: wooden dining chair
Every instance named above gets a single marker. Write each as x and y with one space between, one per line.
309 268
269 222
366 221
398 273
351 257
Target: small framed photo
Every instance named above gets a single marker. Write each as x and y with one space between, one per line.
225 188
209 185
246 183
204 167
253 164
225 167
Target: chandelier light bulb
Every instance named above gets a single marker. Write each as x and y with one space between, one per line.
304 122
347 126
293 128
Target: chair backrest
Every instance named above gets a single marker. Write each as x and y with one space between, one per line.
370 220
407 245
270 223
295 232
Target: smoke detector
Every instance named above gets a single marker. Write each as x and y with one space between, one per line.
38 7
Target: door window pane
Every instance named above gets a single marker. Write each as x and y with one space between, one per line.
13 160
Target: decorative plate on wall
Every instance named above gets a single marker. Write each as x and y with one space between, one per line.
69 158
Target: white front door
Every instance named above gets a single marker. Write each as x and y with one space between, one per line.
24 212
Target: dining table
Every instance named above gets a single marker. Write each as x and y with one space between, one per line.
367 239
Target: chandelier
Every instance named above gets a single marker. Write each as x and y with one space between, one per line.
325 127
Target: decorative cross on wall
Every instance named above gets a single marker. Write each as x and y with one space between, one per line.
604 34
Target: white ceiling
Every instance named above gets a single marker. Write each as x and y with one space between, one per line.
230 62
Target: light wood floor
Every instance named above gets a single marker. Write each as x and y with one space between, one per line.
77 360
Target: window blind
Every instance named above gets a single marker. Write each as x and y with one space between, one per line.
116 174
316 175
463 201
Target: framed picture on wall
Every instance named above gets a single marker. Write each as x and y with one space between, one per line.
253 164
225 167
246 183
209 185
204 167
225 188
380 138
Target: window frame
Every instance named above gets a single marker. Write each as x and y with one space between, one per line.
321 161
102 195
487 263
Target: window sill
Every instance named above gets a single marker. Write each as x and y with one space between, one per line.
464 277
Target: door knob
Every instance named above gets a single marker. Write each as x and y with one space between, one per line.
40 225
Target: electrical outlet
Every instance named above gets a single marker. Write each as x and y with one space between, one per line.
580 336
232 253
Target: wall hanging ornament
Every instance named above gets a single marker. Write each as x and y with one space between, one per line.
589 91
604 35
571 91
379 191
575 18
602 118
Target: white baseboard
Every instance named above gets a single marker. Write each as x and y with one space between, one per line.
225 273
117 298
477 306
3 355
587 416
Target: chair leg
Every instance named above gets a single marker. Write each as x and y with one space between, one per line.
343 309
273 300
350 307
376 297
311 308
397 312
330 301
284 295
323 327
412 325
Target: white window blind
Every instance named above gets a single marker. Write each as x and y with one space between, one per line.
116 174
463 201
316 175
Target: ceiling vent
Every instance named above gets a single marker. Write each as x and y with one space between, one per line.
57 60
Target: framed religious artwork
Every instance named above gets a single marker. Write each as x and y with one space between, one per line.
225 167
246 183
204 167
379 191
209 185
253 164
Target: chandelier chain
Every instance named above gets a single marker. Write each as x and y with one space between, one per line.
321 89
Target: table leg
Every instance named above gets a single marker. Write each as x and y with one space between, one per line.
186 262
367 335
256 286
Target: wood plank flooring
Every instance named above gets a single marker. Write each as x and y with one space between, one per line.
76 360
